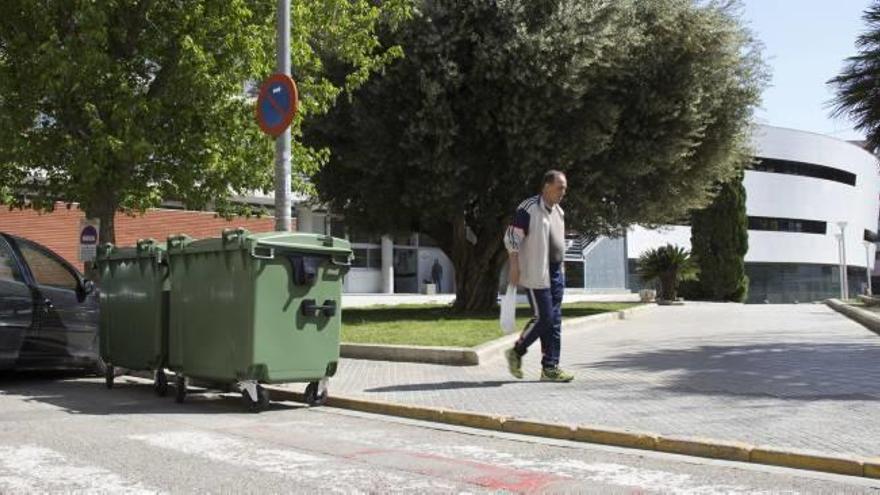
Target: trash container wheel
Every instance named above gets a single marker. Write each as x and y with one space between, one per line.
262 399
109 375
180 385
312 397
160 384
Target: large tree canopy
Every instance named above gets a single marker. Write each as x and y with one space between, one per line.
645 105
120 104
856 86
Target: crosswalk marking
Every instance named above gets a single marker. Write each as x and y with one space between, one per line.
227 449
30 469
602 472
330 474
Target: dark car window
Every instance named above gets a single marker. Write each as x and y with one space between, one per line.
47 269
8 267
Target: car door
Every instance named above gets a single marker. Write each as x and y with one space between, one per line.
67 316
16 306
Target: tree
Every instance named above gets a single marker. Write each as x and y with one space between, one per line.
719 242
670 265
644 105
855 88
120 104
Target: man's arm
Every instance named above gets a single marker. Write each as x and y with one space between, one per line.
513 274
516 233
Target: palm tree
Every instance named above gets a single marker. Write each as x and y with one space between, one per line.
856 87
669 264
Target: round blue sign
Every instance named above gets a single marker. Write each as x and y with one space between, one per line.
89 235
277 104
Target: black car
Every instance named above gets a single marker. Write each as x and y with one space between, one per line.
48 310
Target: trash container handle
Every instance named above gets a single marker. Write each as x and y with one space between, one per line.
229 234
144 243
339 263
310 307
177 239
270 256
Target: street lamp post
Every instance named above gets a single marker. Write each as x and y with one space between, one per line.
868 266
282 143
838 237
844 292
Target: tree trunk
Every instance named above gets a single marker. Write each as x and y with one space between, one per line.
477 266
105 211
667 287
107 231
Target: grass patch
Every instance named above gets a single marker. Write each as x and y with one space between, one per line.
438 325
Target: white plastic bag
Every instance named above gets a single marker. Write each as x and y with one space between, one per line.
508 310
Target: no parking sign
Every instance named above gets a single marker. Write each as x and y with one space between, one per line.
277 104
88 239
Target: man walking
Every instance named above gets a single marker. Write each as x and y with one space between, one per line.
535 243
437 274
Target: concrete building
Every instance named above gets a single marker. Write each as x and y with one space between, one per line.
804 191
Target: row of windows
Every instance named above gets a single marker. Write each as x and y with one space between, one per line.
804 169
798 225
787 225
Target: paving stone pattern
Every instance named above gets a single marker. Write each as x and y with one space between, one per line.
797 376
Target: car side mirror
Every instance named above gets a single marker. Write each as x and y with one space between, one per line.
88 286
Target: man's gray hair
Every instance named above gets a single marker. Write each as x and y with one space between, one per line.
551 176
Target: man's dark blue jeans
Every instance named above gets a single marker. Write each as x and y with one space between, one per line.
546 324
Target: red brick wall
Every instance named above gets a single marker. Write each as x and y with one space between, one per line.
59 230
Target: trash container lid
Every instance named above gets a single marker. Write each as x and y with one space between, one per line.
298 241
145 248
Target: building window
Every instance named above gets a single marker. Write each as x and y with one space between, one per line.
574 274
789 167
367 257
787 225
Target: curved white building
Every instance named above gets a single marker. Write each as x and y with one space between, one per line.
803 186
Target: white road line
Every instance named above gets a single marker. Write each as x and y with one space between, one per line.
608 473
29 469
336 475
649 480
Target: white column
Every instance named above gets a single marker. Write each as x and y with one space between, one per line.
868 266
304 219
842 226
840 267
387 265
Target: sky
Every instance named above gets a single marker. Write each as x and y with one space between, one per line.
805 45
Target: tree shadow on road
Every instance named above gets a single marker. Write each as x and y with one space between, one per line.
796 371
77 394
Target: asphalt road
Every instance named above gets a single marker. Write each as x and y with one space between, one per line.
61 433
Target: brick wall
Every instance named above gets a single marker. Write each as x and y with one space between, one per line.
59 230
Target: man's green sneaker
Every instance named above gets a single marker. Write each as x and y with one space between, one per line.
514 363
555 375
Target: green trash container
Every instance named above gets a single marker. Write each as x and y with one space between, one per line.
133 305
250 309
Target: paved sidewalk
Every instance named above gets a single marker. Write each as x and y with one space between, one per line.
798 376
350 300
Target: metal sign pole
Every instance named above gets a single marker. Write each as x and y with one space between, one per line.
282 143
843 260
840 270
